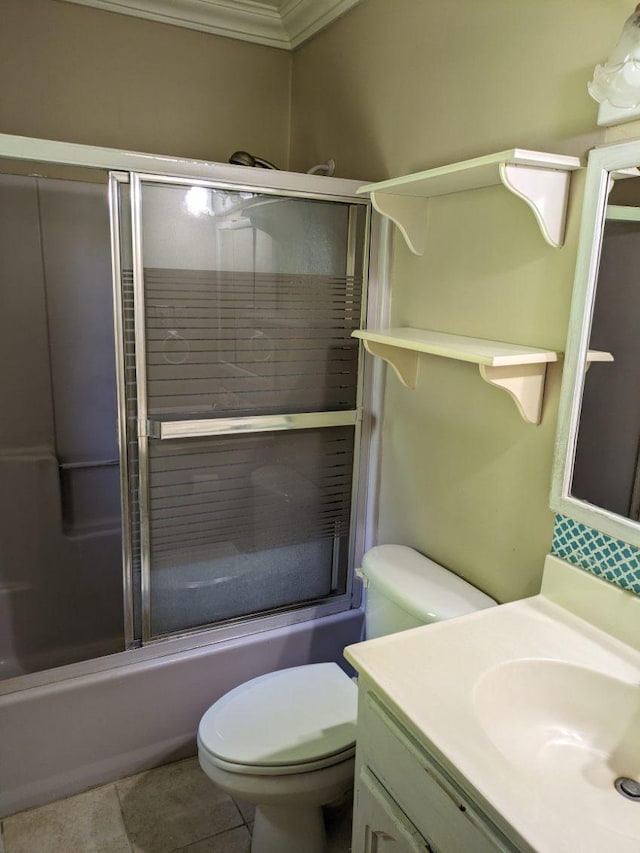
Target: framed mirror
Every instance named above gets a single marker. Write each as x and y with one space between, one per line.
596 476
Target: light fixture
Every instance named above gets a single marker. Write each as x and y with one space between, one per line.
198 201
616 84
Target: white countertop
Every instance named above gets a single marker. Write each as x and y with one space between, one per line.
439 680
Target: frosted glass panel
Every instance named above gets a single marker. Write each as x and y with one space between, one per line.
245 524
60 527
208 229
76 256
250 304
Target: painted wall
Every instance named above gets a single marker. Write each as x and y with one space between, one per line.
78 74
388 89
395 88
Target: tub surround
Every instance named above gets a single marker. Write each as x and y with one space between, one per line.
542 770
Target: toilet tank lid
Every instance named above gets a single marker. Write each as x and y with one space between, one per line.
419 585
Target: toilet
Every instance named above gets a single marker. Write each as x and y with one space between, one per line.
285 741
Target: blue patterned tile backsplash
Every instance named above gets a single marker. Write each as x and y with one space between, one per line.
611 559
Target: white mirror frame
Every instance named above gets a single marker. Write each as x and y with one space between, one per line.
602 162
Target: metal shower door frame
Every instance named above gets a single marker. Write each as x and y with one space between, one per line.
149 429
120 163
116 181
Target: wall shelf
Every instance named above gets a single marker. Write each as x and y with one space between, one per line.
622 213
597 356
594 355
540 180
520 371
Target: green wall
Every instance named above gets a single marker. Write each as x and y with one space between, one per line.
395 87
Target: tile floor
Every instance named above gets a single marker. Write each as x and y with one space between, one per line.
169 809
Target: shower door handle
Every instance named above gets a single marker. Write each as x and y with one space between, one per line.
101 463
206 427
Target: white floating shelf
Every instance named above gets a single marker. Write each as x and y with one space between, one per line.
598 355
595 355
541 180
520 371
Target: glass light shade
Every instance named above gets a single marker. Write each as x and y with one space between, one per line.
618 80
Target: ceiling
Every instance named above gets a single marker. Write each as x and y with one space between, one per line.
278 23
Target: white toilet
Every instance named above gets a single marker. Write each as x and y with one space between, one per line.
286 741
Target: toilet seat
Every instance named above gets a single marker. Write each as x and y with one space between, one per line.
291 721
275 769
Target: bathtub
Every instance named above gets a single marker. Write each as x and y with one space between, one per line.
87 728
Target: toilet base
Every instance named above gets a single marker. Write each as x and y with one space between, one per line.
289 807
283 829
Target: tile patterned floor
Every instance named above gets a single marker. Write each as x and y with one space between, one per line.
166 810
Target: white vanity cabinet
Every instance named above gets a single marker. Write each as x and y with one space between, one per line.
503 730
404 802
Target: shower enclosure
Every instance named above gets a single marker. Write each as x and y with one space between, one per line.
60 539
182 401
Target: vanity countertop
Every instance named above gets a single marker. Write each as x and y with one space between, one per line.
533 709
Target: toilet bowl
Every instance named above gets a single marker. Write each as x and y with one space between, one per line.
285 741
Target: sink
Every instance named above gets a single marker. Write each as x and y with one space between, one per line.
532 708
569 729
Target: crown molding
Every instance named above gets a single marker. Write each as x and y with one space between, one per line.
304 18
284 25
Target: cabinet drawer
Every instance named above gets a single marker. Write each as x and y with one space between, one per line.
431 801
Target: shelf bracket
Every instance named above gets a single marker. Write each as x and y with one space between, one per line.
545 191
524 383
409 213
403 361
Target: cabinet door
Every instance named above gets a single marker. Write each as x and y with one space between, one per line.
380 826
431 800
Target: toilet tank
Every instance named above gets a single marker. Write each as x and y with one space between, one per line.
406 589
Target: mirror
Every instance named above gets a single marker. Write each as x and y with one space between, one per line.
596 477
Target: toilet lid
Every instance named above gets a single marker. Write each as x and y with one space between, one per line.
284 718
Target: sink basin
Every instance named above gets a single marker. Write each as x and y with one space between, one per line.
569 729
531 708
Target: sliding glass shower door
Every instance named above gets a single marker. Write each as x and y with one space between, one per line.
60 524
243 398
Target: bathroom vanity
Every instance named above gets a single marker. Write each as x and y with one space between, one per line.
504 730
405 798
517 728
